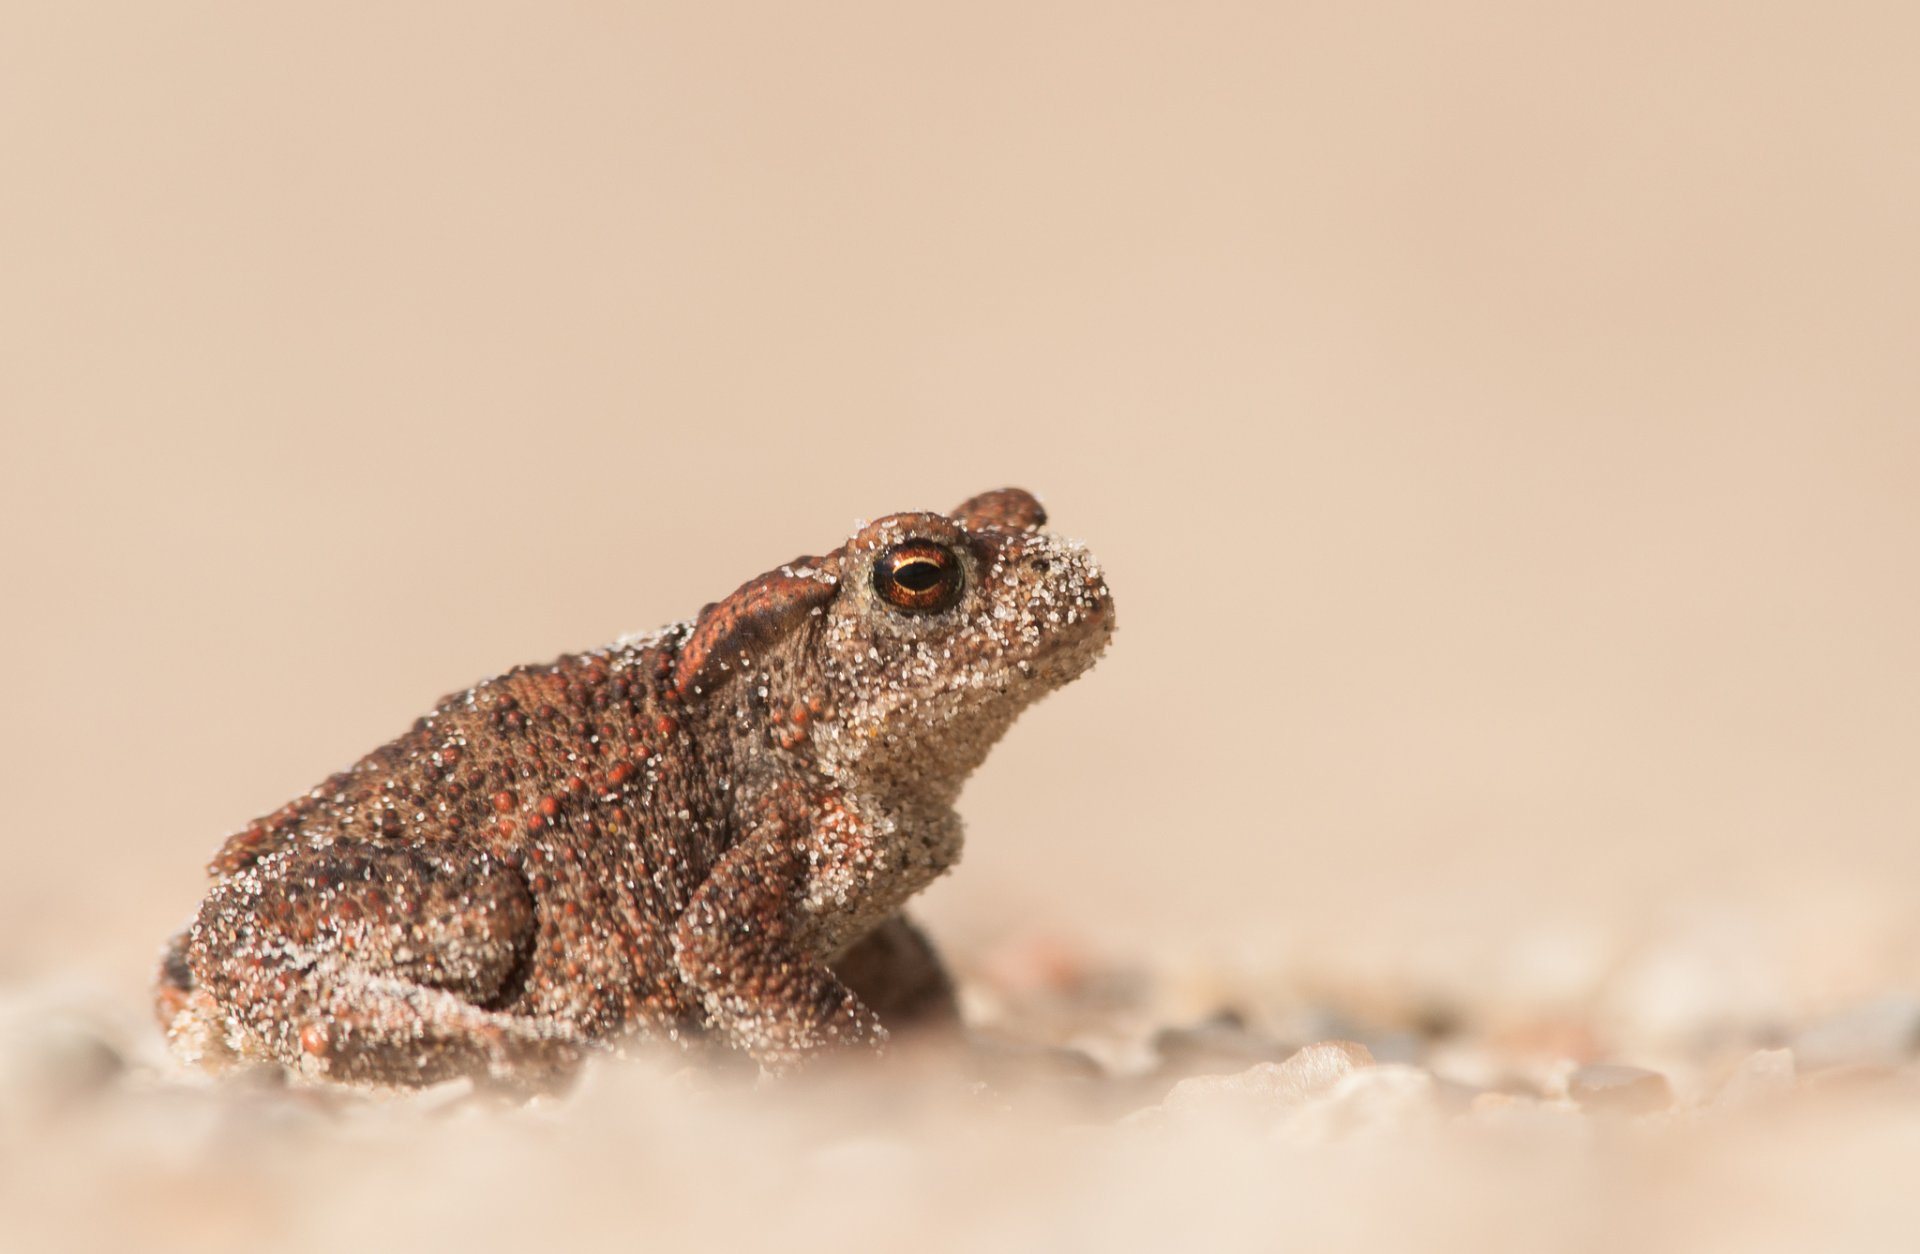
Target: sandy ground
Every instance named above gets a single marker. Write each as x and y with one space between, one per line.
1086 1112
1497 422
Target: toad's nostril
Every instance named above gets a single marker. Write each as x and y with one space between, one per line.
1041 562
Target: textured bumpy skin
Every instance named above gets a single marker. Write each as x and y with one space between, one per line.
707 831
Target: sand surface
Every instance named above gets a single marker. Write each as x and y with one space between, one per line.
1497 422
1084 1113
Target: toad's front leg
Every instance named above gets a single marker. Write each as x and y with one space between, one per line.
738 943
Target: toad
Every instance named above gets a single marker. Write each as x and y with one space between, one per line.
705 832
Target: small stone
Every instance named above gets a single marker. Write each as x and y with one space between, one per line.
1222 1040
50 1058
1264 1091
1004 1062
1765 1076
1882 1033
1621 1090
1391 1097
1401 1047
1305 1075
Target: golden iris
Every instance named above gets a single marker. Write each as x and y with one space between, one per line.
918 576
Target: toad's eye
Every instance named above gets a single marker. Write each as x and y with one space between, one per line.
918 576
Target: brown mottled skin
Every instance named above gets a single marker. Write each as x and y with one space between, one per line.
708 831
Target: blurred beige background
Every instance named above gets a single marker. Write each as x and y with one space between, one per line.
1501 423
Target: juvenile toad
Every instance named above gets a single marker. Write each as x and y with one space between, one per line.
709 830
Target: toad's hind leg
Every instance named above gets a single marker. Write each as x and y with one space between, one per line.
895 971
372 965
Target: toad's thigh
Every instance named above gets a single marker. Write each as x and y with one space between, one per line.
452 920
374 964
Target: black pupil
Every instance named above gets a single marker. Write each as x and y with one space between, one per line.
918 574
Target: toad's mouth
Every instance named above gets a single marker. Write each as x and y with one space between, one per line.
1058 658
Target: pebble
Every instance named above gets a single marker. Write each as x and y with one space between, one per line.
1880 1033
1263 1092
51 1054
1005 1062
1764 1076
1617 1089
1224 1040
1391 1097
